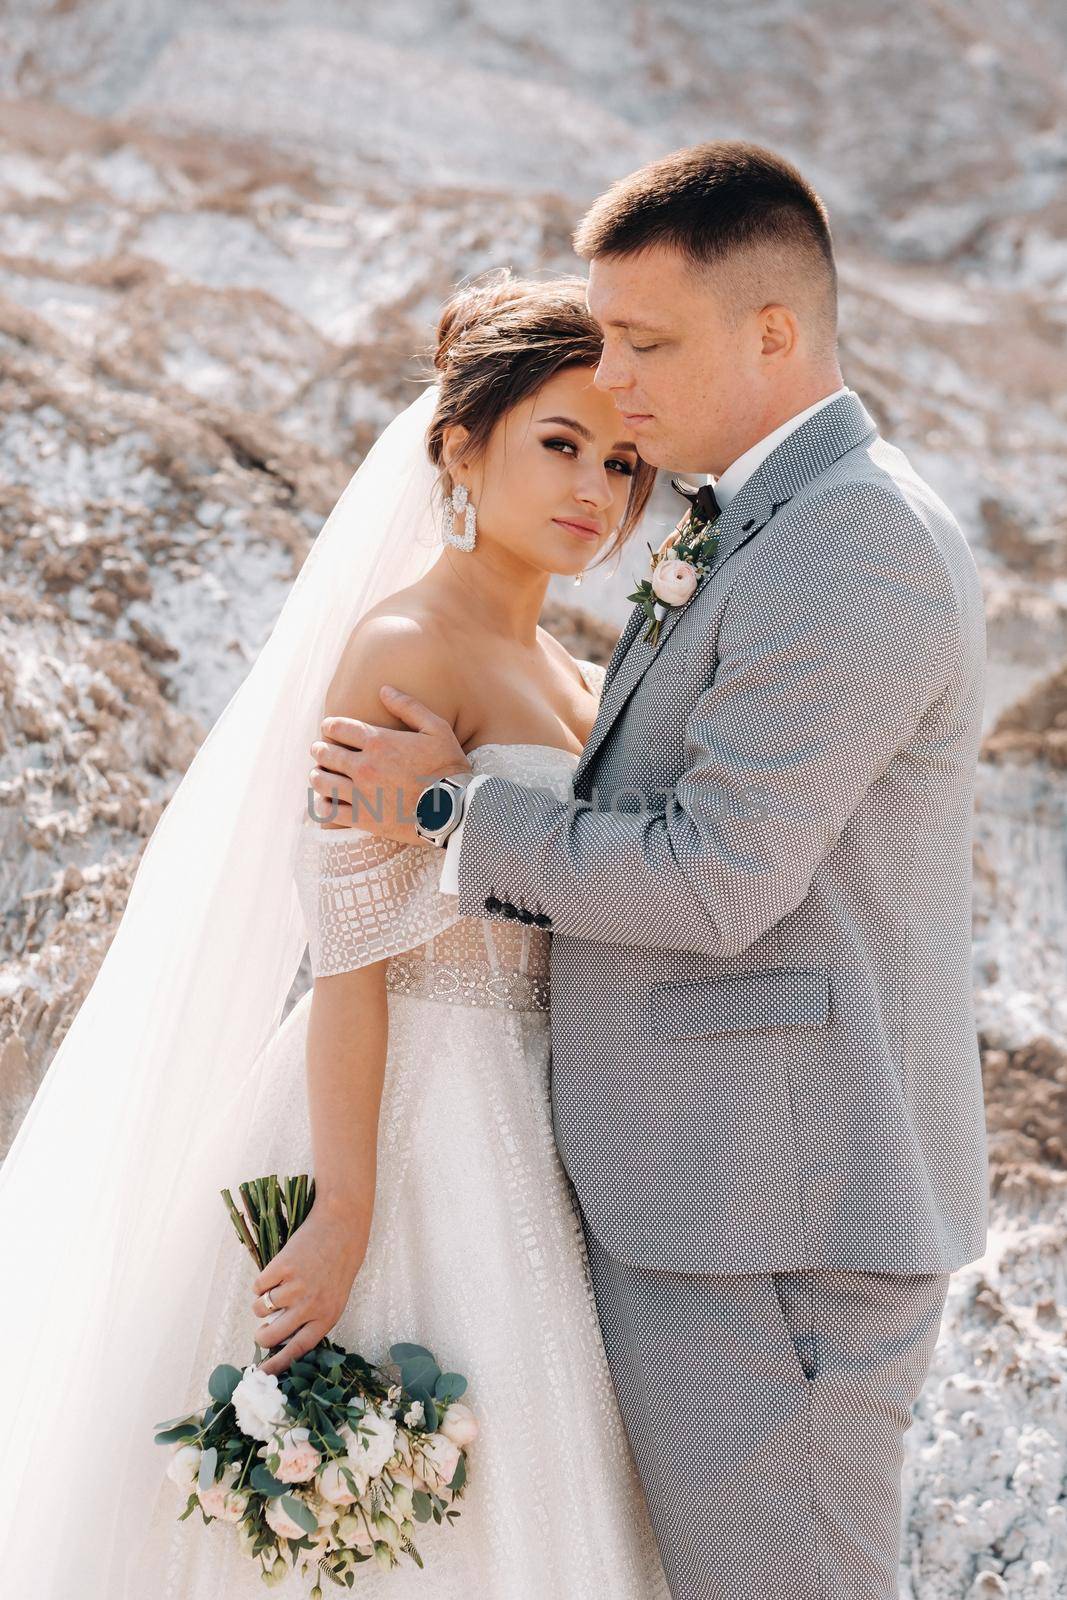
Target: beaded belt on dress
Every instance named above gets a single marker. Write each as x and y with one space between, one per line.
467 985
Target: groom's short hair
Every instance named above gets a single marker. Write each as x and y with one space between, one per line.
722 204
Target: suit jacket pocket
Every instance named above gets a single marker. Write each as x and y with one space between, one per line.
778 997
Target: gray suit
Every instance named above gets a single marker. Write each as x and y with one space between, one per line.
764 1057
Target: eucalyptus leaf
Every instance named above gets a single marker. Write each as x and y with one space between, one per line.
418 1375
301 1514
263 1479
222 1382
449 1387
420 1504
206 1476
172 1422
406 1352
184 1430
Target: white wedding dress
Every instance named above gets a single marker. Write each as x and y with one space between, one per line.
475 1250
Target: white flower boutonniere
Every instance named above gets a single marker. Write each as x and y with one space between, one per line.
674 581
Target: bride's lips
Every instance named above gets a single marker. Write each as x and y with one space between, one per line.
635 418
583 530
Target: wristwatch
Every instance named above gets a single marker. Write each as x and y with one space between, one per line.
439 808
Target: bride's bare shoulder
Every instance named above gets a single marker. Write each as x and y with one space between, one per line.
399 641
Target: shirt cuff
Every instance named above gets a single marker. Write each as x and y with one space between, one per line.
450 868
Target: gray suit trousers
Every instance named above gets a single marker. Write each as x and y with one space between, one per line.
767 1414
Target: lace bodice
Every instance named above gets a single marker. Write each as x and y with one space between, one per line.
367 899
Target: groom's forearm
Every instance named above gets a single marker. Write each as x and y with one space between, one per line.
607 875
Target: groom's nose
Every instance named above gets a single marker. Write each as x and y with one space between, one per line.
611 371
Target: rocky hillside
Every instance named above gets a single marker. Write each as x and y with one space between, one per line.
224 232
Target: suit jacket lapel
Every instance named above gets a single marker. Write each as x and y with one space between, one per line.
743 517
800 457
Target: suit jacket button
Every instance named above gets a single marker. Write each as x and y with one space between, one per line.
492 904
542 921
525 916
507 909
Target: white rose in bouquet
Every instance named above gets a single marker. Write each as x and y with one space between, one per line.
354 1458
259 1404
222 1500
282 1523
374 1442
298 1460
459 1424
440 1460
183 1467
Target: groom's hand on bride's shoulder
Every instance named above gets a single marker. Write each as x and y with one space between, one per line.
371 777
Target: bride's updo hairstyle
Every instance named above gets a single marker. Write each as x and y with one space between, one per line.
499 340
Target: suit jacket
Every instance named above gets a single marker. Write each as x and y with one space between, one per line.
764 1054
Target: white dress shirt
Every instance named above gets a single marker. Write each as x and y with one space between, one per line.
726 486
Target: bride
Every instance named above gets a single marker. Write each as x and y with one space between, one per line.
412 1078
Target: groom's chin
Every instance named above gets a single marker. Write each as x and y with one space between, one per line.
656 454
663 455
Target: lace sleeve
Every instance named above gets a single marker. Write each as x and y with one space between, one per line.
366 898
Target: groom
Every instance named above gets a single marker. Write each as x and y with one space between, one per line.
765 1076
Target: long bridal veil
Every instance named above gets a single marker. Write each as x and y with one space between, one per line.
109 1196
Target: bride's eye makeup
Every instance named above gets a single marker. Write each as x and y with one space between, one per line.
626 467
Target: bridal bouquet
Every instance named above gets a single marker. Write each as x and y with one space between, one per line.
330 1463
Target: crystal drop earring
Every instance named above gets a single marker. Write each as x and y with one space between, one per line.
462 505
581 575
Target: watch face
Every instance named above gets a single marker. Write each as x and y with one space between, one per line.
434 808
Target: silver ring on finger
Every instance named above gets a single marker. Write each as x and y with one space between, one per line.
269 1301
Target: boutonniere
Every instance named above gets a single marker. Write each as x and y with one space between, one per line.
679 563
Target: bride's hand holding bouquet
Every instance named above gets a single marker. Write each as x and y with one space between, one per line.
302 1291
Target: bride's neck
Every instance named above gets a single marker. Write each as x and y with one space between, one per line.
492 592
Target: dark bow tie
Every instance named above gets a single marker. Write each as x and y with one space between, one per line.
701 499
